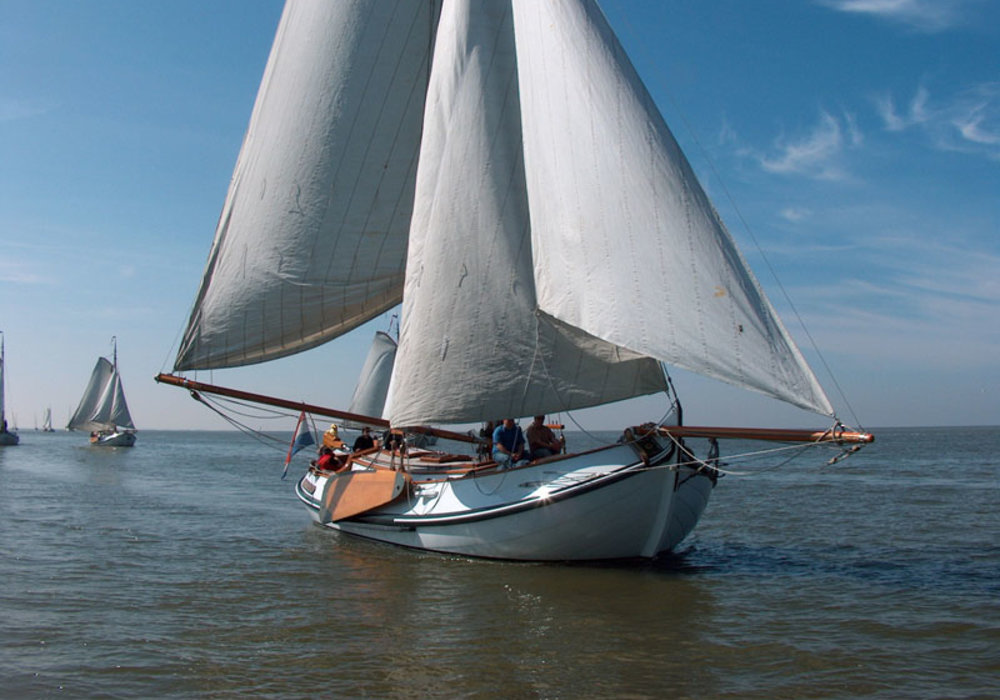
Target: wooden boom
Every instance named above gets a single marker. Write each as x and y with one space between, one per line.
837 435
195 386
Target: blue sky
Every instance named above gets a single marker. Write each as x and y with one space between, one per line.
855 142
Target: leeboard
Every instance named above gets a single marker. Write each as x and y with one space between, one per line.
349 493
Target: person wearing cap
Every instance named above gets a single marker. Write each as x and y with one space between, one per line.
364 441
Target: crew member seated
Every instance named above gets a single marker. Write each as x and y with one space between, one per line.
365 440
542 442
331 438
509 446
327 461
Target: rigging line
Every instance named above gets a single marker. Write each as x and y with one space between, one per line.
739 215
548 376
262 414
801 448
250 432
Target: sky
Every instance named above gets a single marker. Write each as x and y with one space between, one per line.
851 146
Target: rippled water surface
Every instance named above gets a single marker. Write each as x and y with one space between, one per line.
185 567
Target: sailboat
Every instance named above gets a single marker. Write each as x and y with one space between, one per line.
103 409
497 168
47 422
7 438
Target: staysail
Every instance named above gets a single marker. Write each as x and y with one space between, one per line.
103 405
469 326
373 383
556 244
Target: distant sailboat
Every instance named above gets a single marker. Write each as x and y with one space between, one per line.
47 422
103 410
7 437
497 167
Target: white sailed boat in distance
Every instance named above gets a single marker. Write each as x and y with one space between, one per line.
47 422
103 410
7 437
497 168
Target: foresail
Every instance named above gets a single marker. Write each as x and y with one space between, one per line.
103 404
116 410
312 237
472 345
373 383
627 246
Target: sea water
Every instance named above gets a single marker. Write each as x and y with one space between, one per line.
185 567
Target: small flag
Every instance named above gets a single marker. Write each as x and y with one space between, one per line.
304 439
299 440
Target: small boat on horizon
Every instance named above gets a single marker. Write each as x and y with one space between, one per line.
7 438
47 422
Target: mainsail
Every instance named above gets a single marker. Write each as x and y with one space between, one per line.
556 243
103 405
312 237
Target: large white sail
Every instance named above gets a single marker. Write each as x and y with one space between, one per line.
556 244
103 405
614 200
312 237
471 342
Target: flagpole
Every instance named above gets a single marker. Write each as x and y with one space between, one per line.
291 445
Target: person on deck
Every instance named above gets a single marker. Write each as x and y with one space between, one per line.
327 462
508 444
542 442
365 440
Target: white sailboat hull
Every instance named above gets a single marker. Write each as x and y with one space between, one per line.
122 438
598 505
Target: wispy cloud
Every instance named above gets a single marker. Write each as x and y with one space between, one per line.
968 121
920 15
916 112
918 299
795 214
818 153
18 272
13 109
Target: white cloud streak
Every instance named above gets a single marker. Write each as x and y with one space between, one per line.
968 121
919 15
817 154
19 272
15 109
